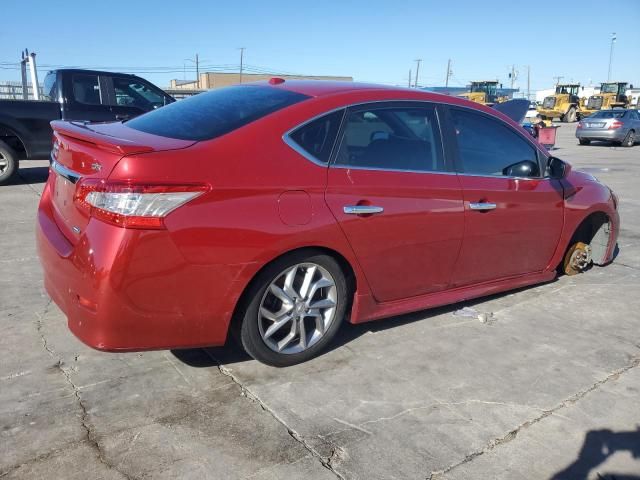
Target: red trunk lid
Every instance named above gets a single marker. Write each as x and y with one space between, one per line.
91 151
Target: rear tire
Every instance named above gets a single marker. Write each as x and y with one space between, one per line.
278 298
584 141
9 163
570 116
629 139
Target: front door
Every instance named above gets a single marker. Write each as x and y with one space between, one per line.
512 223
130 97
396 198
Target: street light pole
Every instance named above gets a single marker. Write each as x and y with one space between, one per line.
613 41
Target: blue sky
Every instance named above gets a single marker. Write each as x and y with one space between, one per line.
373 40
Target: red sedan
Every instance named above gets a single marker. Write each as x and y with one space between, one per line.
281 209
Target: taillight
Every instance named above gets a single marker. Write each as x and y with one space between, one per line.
579 124
616 124
55 147
132 205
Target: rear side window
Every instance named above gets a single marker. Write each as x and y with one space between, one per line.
50 88
316 138
487 147
86 89
390 138
215 113
608 114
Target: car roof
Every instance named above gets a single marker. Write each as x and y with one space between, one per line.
92 72
321 88
327 88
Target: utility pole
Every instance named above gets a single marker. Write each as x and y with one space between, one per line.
241 61
410 78
197 64
197 71
446 82
529 82
557 79
513 75
418 60
613 41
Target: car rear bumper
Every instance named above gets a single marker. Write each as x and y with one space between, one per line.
615 135
124 289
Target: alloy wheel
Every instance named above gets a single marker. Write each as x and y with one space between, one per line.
4 163
297 308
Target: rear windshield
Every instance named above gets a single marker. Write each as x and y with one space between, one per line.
215 113
608 114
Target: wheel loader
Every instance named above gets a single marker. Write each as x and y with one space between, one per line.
485 92
564 104
612 95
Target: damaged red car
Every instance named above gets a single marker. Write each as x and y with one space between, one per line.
280 210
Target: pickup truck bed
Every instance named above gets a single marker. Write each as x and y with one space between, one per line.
71 94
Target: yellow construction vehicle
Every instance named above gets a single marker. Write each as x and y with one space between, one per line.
564 104
485 92
612 95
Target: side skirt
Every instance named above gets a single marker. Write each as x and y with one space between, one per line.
366 308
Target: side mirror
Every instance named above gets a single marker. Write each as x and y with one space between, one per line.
556 168
525 168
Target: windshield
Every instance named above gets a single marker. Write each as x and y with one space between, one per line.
609 88
214 113
608 114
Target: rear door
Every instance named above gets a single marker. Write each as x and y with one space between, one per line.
512 224
86 98
394 195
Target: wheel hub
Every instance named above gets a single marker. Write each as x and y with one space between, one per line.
297 308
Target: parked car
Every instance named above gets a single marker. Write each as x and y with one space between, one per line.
618 126
277 211
69 94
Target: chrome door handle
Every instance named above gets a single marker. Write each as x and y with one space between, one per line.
482 206
362 209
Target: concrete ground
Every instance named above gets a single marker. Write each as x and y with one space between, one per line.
547 387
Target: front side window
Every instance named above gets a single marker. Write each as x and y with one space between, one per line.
316 138
488 147
86 89
390 138
209 115
132 93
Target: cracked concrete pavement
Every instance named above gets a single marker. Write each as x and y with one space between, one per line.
547 389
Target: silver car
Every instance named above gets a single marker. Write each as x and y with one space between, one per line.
618 126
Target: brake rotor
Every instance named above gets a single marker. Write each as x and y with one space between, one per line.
577 259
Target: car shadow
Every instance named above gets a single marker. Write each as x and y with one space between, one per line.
597 447
31 175
231 352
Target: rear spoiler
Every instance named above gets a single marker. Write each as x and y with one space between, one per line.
81 131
